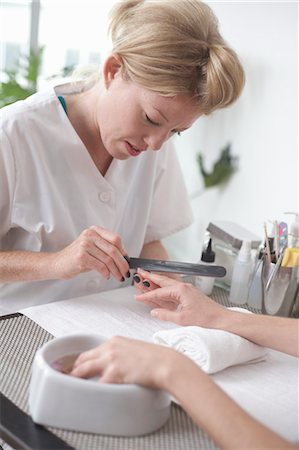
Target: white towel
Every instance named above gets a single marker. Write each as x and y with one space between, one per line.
212 350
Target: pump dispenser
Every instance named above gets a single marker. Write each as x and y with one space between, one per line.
205 284
294 231
241 275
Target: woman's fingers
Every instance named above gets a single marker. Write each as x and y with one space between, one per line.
88 369
106 251
143 284
159 304
92 362
169 303
157 279
146 281
107 361
167 295
107 264
167 315
111 237
111 252
115 362
89 354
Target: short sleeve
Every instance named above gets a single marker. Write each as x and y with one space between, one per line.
170 209
7 178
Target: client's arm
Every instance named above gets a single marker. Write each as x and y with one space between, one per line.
122 360
184 304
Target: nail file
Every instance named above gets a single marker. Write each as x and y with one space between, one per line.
156 265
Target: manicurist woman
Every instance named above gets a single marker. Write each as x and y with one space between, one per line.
88 171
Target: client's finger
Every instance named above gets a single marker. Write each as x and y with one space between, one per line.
157 279
88 369
166 315
165 294
143 283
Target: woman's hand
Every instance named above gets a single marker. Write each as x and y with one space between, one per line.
95 249
142 283
151 250
123 360
180 303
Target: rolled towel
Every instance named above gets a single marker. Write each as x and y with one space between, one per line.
212 350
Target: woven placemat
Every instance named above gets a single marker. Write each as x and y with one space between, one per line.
21 338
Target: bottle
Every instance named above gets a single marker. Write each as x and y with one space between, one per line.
205 284
241 276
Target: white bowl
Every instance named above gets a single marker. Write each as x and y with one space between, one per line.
60 400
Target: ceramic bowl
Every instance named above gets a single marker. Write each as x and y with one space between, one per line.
59 400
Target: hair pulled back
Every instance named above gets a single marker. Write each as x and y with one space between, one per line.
174 47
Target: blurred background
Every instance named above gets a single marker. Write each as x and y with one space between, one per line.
247 172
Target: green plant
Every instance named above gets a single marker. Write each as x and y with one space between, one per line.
22 79
223 168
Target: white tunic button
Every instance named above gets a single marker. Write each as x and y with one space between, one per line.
105 196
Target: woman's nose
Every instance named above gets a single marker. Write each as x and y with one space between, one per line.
156 140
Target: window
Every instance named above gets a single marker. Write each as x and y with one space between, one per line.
72 33
15 31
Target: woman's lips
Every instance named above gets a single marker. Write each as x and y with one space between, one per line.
133 150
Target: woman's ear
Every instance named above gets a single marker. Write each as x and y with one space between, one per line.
112 68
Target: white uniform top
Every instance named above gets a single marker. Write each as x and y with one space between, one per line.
51 191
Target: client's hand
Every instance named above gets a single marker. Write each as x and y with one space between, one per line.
180 303
123 360
144 284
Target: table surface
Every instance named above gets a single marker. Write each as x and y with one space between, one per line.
20 339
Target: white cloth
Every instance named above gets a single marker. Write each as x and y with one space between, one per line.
212 350
51 191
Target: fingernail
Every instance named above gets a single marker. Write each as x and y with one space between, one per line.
154 313
136 278
146 283
128 274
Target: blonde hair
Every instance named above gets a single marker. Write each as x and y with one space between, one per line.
174 47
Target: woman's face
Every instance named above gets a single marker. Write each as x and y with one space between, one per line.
132 119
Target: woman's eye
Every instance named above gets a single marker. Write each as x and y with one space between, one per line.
150 120
178 133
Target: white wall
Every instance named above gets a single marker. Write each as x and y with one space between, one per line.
262 127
